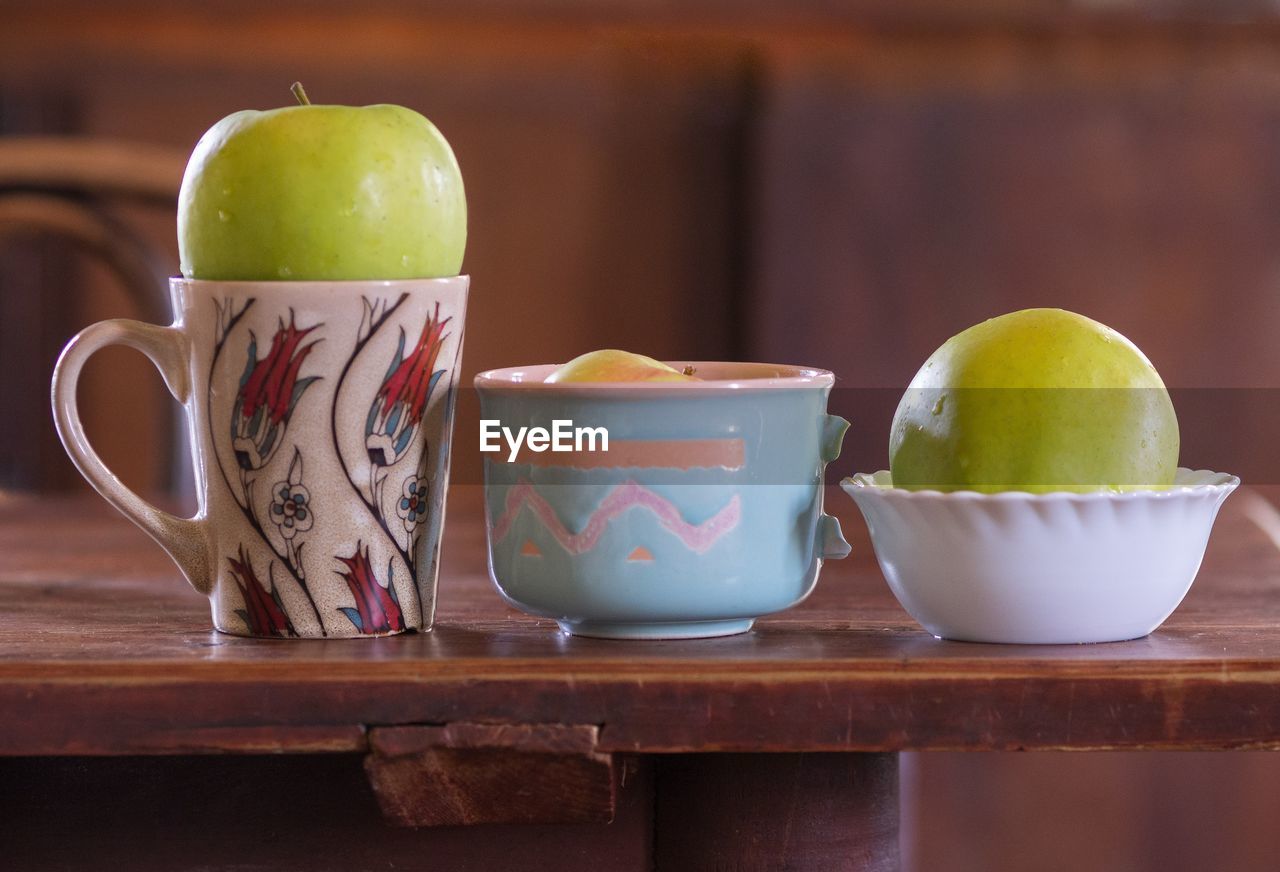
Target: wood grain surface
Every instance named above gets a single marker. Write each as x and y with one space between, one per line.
104 650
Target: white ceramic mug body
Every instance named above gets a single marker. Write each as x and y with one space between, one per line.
320 414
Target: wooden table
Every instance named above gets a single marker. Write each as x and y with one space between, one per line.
129 728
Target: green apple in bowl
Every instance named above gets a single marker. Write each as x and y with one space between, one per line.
1039 400
612 365
312 192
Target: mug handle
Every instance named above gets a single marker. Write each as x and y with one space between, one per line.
184 539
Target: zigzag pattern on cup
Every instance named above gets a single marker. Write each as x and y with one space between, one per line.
629 495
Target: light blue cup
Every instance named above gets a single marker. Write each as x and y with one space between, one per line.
704 514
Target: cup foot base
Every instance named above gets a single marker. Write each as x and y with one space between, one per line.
1082 638
656 630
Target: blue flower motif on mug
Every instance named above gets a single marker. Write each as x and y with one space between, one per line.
412 507
291 509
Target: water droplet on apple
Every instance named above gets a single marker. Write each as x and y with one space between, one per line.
939 404
224 216
284 272
404 260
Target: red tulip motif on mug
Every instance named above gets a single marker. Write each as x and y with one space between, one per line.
269 391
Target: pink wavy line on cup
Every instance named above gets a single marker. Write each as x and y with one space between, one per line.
626 496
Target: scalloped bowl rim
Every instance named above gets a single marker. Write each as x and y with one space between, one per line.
1185 481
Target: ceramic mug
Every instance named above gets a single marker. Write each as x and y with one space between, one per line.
703 514
320 415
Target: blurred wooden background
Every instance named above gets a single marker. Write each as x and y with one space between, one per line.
836 184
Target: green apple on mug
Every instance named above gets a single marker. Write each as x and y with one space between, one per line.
313 192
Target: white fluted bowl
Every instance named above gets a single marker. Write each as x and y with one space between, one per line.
1041 568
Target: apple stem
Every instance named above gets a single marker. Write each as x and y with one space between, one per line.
300 94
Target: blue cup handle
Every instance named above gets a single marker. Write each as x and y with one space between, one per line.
831 542
833 430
